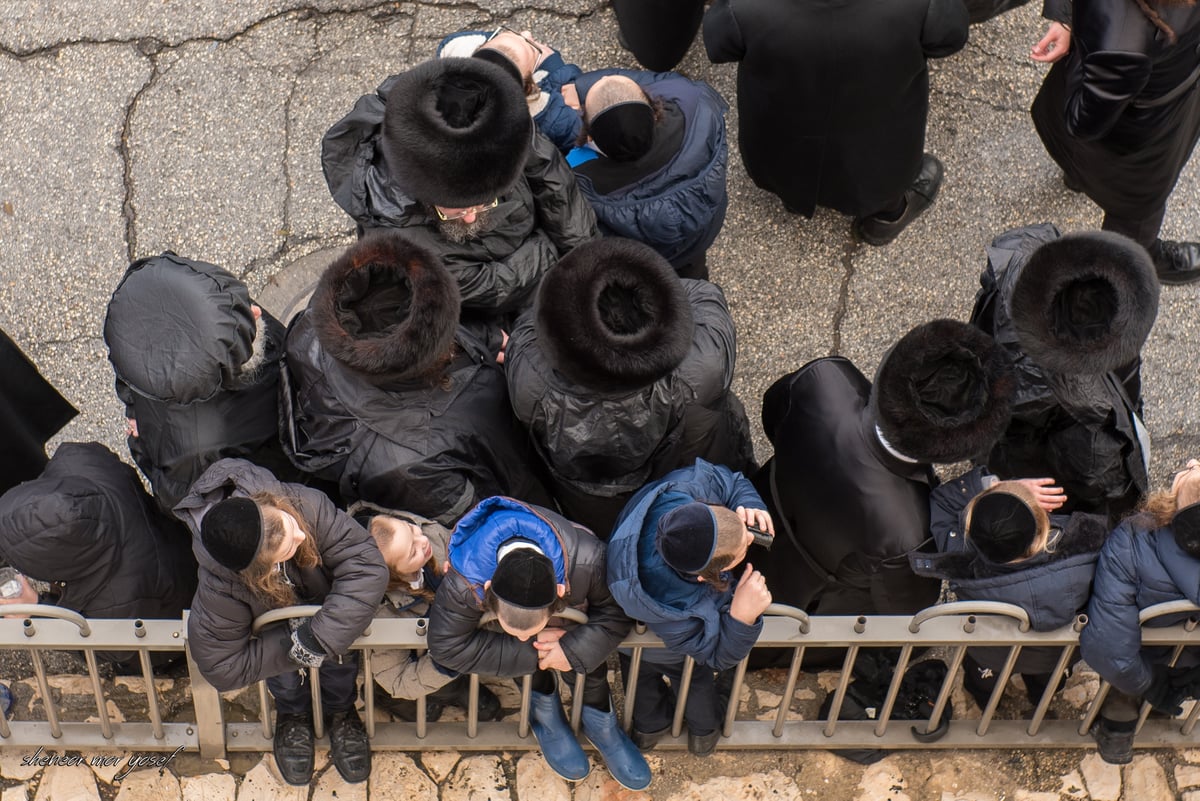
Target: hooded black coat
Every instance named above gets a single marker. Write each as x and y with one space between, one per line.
1082 430
348 583
31 411
832 97
88 527
847 510
180 375
601 447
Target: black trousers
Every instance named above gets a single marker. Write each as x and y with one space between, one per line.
596 692
980 680
339 688
654 704
1144 230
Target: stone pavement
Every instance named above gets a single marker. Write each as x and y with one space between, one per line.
129 127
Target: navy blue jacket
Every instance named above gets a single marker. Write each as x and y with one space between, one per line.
696 622
1137 569
679 209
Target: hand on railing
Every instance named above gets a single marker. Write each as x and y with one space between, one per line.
751 598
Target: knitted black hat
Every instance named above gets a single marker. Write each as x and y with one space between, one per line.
687 537
1185 525
624 131
943 393
232 532
1002 526
387 307
524 578
456 131
613 316
1085 303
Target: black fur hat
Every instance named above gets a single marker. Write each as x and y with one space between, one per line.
612 315
232 532
386 307
943 393
456 131
1085 303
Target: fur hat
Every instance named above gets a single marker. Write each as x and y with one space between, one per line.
943 393
687 537
1085 303
524 578
1185 525
1001 526
456 131
386 307
612 315
232 532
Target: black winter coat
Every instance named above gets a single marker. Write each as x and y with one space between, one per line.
1078 429
348 583
435 449
1121 114
847 511
600 448
539 220
580 562
832 97
31 411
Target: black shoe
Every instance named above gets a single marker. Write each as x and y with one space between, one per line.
1114 741
405 708
349 748
875 230
458 693
646 740
294 747
703 744
1176 262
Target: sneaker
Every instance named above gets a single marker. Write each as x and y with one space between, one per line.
294 738
349 748
1113 740
875 230
1176 262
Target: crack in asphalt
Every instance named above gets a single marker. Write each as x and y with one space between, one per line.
849 248
128 207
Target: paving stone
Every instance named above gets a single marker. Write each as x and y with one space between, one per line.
1190 795
70 685
440 763
1102 780
18 793
476 778
1029 795
137 684
947 796
107 763
67 783
11 767
773 785
1079 695
1073 787
884 781
209 787
262 784
535 779
332 787
149 785
1145 780
1187 776
395 777
1191 754
115 715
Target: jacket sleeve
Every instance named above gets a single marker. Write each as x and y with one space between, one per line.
948 502
562 210
506 285
1109 81
722 37
587 647
457 643
1058 11
558 121
404 674
689 637
715 483
1112 640
220 640
945 30
525 383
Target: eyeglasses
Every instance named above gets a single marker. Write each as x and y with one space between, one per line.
457 214
537 49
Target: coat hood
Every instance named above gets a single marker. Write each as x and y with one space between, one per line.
489 525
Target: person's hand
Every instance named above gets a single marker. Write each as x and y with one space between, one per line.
751 598
1054 45
550 655
131 429
28 595
570 95
759 518
1048 496
503 345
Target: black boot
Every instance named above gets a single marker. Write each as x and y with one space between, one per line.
878 230
458 693
293 747
1114 740
349 748
1176 262
405 708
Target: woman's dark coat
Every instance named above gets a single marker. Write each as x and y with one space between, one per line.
1121 113
348 583
31 411
600 447
455 639
847 512
832 97
1077 429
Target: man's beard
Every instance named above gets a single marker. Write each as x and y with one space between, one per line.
458 232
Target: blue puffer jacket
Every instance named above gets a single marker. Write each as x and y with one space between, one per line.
1137 569
695 621
679 209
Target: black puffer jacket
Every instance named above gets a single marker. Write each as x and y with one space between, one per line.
580 562
87 522
1079 429
602 447
540 219
180 375
348 583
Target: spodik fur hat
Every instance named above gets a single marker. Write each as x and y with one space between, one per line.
612 315
386 307
943 393
1085 303
456 131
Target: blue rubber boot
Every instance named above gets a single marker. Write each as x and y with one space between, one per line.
563 753
625 762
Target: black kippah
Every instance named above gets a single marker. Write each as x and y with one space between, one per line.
624 131
1185 525
496 57
231 532
687 537
524 578
1002 526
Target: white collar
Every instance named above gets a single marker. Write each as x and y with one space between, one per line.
887 446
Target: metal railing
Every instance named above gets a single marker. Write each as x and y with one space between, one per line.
953 627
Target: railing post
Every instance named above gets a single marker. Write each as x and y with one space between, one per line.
210 722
